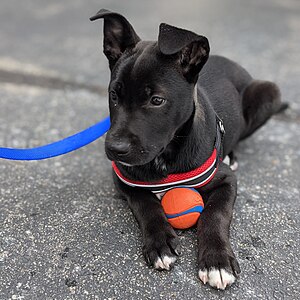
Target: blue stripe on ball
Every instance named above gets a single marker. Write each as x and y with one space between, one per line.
197 208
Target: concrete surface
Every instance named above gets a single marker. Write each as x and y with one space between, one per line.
65 233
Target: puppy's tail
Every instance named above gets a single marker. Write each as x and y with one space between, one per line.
282 107
261 100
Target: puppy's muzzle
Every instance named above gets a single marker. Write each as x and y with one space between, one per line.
118 149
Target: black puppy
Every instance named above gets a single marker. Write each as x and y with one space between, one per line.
169 104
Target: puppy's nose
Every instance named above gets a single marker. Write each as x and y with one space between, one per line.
119 148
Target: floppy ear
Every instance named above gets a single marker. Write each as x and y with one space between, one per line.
192 49
118 35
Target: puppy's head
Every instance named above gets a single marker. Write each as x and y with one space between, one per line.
151 89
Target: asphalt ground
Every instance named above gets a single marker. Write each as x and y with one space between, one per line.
65 233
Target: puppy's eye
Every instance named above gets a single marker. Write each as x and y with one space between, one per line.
157 101
113 96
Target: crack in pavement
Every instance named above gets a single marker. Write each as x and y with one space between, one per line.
50 82
47 82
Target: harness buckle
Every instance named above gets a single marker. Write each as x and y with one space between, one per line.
221 126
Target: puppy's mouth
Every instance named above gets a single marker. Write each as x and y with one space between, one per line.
139 159
124 163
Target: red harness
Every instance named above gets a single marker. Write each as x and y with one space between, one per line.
192 179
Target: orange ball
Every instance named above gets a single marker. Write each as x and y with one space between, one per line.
182 207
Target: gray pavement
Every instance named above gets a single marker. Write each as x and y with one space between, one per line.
65 233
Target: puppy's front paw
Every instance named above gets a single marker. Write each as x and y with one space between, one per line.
161 250
218 278
218 268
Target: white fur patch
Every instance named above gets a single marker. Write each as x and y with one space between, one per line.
219 279
203 276
160 195
226 160
164 263
234 166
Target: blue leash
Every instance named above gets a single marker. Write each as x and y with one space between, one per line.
66 145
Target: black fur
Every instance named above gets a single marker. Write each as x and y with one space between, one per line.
150 141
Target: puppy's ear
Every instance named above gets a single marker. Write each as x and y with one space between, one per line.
191 49
118 35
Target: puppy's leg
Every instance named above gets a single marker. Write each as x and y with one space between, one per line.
217 263
261 100
161 244
233 161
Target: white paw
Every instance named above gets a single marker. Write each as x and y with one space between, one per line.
216 278
164 263
234 166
